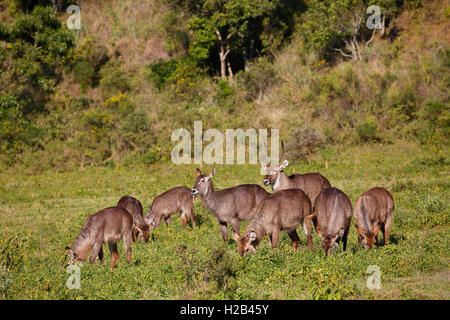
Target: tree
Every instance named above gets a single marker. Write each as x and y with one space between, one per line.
227 26
340 26
32 51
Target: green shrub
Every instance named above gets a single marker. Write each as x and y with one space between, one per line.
260 76
161 71
367 131
12 121
113 80
224 90
149 157
434 122
303 143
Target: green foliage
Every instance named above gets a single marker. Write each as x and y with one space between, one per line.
367 131
260 76
224 89
161 71
12 121
87 61
182 73
237 26
36 47
113 79
435 121
330 25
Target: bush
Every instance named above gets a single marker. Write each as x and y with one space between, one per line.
12 121
150 157
113 79
260 76
224 90
303 143
434 122
367 131
161 71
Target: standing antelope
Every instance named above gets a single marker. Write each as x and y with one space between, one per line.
373 211
134 207
230 205
282 210
331 217
311 183
105 226
175 200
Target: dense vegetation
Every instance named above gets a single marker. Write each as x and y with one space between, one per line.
129 84
86 116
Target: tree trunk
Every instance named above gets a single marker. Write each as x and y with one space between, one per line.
222 57
223 53
230 72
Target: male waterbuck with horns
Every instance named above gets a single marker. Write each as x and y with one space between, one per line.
175 200
230 205
134 207
331 217
282 210
105 226
373 211
311 183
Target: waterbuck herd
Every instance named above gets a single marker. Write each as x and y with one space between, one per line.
306 199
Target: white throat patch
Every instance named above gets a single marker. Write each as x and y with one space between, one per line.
276 185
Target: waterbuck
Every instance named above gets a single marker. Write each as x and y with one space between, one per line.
175 200
134 207
331 217
105 226
373 211
311 183
230 205
282 210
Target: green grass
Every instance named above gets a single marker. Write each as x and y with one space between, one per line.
41 214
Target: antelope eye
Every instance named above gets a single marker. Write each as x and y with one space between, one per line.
202 180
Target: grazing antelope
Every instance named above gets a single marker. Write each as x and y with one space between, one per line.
331 217
134 207
282 210
175 200
105 226
230 205
311 183
373 211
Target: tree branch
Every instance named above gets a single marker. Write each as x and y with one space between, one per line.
344 54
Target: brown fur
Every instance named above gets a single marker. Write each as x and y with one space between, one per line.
105 226
373 212
134 207
230 205
332 215
175 200
282 210
311 183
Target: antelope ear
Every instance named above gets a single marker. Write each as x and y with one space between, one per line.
236 236
252 236
284 164
212 172
199 173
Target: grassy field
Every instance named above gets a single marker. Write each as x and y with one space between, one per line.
42 213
